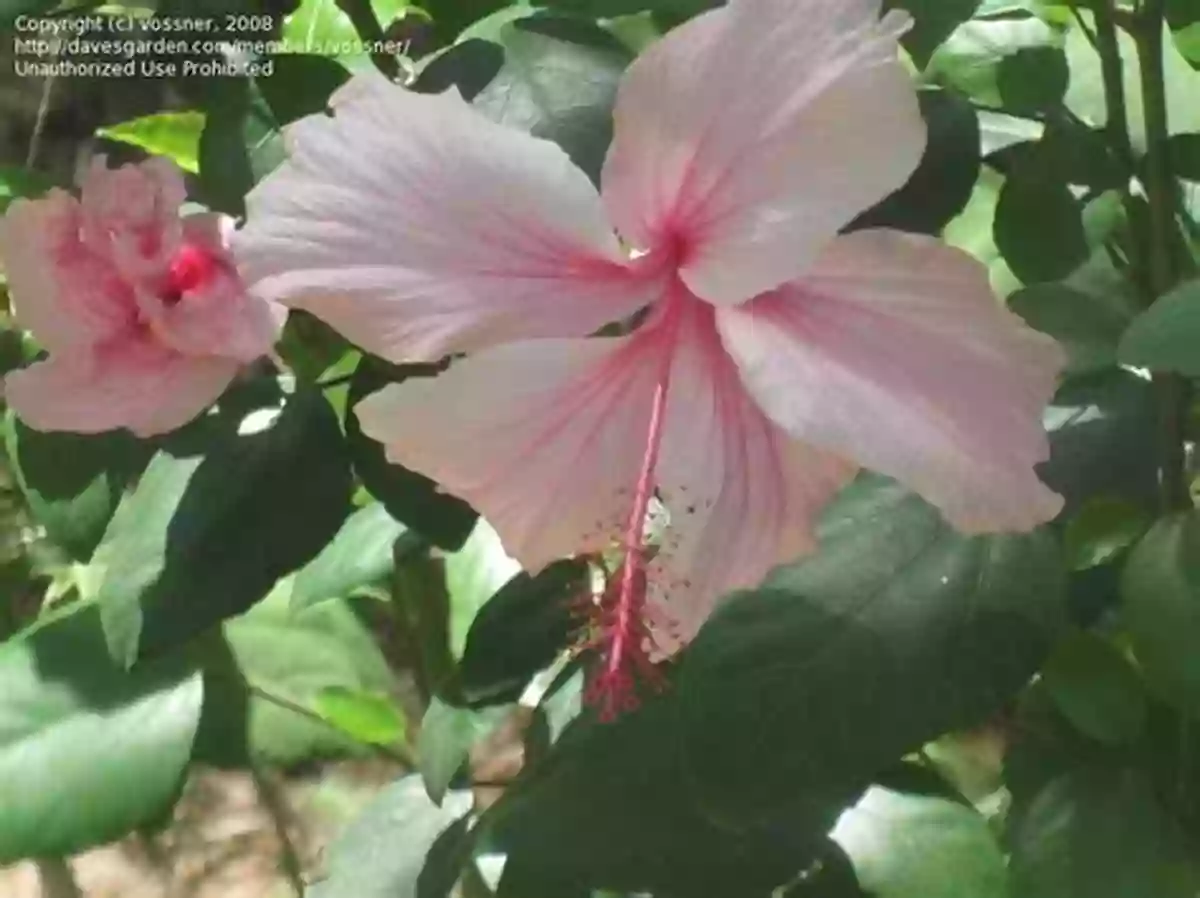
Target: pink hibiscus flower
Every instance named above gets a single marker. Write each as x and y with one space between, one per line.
778 356
145 319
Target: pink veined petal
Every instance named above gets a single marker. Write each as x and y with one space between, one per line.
749 136
217 316
743 496
418 228
544 438
893 351
59 288
127 382
131 215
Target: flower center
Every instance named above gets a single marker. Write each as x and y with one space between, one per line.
191 268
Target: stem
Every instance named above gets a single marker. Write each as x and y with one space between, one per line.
1117 126
1161 273
56 878
276 807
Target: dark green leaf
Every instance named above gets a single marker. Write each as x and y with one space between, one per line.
383 853
73 482
622 786
912 846
240 144
1103 441
519 631
204 537
409 497
1185 155
360 555
559 81
1166 337
1088 326
1096 689
11 9
941 186
87 751
1161 607
1100 833
300 85
677 10
1101 531
1033 80
898 630
935 21
474 574
972 60
1039 225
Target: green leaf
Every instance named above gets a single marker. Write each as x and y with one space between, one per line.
175 135
1097 689
474 574
1033 80
913 846
622 785
298 658
678 10
73 482
10 10
20 182
1088 326
941 186
87 751
204 537
1161 607
519 631
241 143
1166 337
360 555
898 630
324 28
1100 833
975 59
1086 98
383 853
1103 529
409 497
368 717
443 745
1103 441
935 20
301 84
559 82
1039 224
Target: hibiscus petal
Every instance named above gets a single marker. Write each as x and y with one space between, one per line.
418 228
751 134
893 351
124 383
742 495
544 438
60 290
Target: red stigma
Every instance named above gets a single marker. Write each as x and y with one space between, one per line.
191 268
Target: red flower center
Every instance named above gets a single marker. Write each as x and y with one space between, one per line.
191 269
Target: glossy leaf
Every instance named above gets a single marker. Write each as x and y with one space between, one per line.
1097 689
935 21
87 751
20 182
204 537
447 734
367 717
1089 327
1166 337
914 846
1161 607
1100 833
896 631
